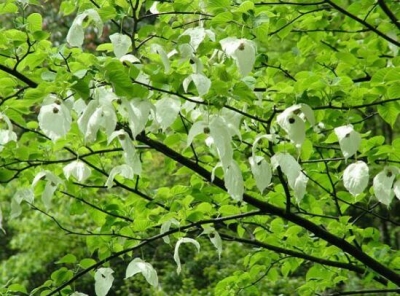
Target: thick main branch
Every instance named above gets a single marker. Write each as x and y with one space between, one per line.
271 209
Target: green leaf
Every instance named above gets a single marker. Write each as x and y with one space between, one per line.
67 259
34 22
389 112
393 91
115 73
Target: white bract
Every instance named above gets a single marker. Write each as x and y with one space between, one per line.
383 183
54 118
292 120
396 188
103 281
6 135
291 168
121 44
76 33
78 169
137 113
221 130
130 58
98 114
167 110
197 36
131 157
261 171
166 226
156 48
25 194
201 82
355 177
214 237
243 51
123 170
234 180
137 265
52 182
176 252
349 140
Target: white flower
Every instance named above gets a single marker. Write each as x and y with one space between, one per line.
349 140
292 120
54 118
78 169
355 177
383 183
242 50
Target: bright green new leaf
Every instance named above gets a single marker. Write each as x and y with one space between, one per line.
34 22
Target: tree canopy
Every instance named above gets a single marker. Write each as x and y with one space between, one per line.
199 147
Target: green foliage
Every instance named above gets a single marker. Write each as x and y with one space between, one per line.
265 135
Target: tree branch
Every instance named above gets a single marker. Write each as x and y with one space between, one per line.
276 249
389 13
341 243
364 23
20 76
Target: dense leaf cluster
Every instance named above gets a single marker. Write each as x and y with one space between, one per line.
261 134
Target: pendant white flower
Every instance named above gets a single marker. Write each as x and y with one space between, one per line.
349 140
78 169
383 183
355 177
292 120
52 182
121 44
6 135
76 32
98 114
137 265
291 168
54 118
243 51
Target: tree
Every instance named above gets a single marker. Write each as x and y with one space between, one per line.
269 127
